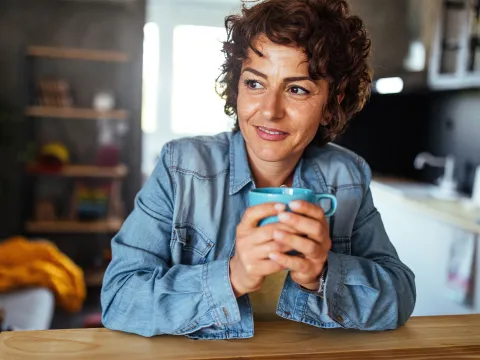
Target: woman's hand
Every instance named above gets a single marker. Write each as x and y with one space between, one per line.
308 219
254 243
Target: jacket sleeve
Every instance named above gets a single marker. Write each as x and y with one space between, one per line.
371 289
142 292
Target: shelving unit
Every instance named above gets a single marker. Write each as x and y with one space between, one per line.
70 220
74 113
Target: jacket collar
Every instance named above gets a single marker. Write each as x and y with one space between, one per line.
240 174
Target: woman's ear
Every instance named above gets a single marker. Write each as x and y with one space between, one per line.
325 120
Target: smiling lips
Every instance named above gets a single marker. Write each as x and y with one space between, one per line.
271 134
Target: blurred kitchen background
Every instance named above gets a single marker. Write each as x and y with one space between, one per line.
90 90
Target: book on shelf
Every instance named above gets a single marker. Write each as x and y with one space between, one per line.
54 93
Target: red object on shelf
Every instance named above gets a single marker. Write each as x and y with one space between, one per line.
108 155
93 321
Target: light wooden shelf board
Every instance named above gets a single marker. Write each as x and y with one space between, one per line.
61 226
74 113
86 171
77 54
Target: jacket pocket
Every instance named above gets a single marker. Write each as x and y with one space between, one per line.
342 245
191 244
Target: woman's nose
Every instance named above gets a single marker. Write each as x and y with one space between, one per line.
273 107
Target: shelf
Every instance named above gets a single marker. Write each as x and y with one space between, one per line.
74 113
81 227
77 54
85 171
457 5
94 277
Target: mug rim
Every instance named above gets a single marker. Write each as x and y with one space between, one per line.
265 190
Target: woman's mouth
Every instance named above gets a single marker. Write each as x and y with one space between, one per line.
271 134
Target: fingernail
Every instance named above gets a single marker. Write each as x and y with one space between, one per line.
284 216
278 235
280 207
273 257
295 205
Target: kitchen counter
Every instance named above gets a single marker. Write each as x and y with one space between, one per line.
443 337
451 212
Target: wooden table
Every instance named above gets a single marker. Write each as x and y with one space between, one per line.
446 337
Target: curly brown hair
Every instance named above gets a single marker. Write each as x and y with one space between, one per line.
335 42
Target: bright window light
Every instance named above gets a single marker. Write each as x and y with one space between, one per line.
393 85
151 63
197 58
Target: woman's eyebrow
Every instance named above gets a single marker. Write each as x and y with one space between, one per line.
286 80
256 72
297 78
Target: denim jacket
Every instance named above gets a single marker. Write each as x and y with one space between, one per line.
169 272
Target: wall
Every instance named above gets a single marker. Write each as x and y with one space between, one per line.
386 22
68 24
389 132
393 129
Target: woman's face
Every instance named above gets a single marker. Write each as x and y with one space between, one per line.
279 107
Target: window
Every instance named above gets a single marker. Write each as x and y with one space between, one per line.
197 58
151 59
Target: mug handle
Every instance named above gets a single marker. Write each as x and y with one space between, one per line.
333 200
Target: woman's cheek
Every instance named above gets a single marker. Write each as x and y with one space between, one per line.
246 107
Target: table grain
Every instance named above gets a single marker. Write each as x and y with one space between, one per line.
435 337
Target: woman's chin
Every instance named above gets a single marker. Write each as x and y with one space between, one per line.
272 155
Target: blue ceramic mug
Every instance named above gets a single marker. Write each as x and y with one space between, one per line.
286 195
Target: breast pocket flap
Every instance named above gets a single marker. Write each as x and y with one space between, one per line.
192 239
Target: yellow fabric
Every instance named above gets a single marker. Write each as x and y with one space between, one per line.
264 301
40 263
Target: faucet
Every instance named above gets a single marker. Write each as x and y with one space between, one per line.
447 186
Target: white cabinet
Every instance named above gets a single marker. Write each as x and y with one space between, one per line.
424 243
455 52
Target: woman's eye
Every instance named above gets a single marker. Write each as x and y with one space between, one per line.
297 90
253 84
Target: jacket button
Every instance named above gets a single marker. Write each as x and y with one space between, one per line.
225 312
339 318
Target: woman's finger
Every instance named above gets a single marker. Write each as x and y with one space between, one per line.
254 214
304 245
308 209
313 228
263 234
262 251
293 263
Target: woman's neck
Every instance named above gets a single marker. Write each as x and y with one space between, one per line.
272 174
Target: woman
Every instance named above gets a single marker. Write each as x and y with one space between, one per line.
189 255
